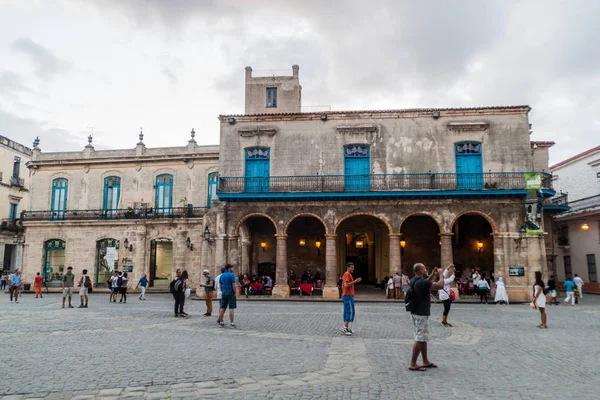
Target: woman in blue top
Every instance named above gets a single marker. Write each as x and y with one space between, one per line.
143 282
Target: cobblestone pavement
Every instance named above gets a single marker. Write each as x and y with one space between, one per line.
291 350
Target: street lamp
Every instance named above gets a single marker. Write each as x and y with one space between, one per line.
318 244
263 245
206 235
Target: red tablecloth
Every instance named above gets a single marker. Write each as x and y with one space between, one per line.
256 287
306 288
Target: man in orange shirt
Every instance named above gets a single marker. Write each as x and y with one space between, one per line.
348 283
38 285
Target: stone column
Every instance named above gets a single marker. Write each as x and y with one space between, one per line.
282 288
220 251
18 257
395 257
331 290
446 253
233 253
2 248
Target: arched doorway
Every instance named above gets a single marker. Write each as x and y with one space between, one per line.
306 249
161 262
107 260
54 261
262 249
473 244
420 242
364 240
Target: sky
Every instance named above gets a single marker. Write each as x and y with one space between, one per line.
112 67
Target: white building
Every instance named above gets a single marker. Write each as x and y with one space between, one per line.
14 198
577 231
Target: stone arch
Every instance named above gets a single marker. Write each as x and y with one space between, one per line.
306 214
345 217
421 213
489 219
256 214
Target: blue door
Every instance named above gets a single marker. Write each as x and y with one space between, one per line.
112 192
257 170
469 169
357 168
59 198
213 182
164 194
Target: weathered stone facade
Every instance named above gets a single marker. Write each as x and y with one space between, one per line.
128 216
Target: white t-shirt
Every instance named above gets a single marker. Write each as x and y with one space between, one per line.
578 281
445 294
483 284
114 280
390 283
218 286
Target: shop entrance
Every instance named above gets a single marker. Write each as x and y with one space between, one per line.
54 261
161 263
107 260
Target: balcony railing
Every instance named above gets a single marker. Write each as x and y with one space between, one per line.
118 214
10 225
379 183
560 200
585 204
15 181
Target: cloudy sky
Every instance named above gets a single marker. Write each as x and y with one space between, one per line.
168 66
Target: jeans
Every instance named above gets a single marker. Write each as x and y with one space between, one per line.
348 308
179 302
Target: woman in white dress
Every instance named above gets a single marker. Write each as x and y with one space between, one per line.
501 295
539 298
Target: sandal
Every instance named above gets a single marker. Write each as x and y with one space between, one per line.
419 369
543 326
432 365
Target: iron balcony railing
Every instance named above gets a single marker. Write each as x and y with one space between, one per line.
585 203
379 182
559 200
118 214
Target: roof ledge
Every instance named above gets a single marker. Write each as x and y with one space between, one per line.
468 126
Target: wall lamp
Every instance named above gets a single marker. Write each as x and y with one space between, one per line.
263 246
360 244
402 246
318 244
206 235
519 240
585 226
479 246
323 117
189 244
302 242
231 121
127 245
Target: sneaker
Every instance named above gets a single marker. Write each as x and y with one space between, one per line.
232 325
345 331
63 306
350 330
81 306
85 306
207 314
184 314
70 306
177 315
221 324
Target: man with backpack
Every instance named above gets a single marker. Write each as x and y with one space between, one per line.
85 283
418 303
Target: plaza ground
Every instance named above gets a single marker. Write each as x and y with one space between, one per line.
292 350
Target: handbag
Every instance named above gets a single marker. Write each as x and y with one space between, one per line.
452 295
532 305
188 292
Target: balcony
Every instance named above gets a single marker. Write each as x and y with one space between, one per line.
10 225
16 181
379 186
585 204
556 204
118 214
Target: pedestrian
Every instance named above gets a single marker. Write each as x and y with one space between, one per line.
85 283
539 298
15 285
3 281
228 299
483 288
38 285
142 284
209 288
390 288
123 288
444 294
67 284
552 289
114 288
45 282
397 285
420 312
178 294
218 286
570 289
579 282
501 296
405 283
348 283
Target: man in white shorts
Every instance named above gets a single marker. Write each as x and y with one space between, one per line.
84 284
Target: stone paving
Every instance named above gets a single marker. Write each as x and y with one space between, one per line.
292 350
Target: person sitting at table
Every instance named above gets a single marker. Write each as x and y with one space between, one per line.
268 284
304 277
292 275
255 287
245 284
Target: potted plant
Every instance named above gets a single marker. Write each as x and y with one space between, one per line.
563 240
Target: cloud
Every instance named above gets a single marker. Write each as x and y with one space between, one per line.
24 130
169 75
47 65
11 83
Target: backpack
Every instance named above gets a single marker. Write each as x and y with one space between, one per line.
88 282
411 300
120 281
176 286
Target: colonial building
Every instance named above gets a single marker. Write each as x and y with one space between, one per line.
14 198
384 189
576 234
138 210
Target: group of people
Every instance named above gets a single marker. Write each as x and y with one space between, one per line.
257 285
395 286
224 285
